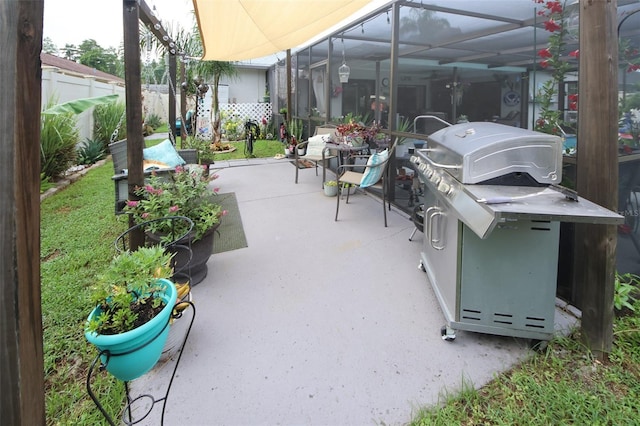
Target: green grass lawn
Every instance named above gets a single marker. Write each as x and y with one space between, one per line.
563 384
261 148
78 227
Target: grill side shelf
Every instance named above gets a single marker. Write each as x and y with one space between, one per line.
532 203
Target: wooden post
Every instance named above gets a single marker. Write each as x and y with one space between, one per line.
597 169
183 102
289 88
133 92
172 96
21 350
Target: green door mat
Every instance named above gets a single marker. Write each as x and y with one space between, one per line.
230 235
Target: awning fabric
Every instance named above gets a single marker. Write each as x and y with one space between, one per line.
235 30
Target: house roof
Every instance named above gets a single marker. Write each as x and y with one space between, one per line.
70 67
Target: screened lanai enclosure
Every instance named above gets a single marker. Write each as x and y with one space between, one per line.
417 66
450 59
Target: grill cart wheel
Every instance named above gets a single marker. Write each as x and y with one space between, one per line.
418 220
448 334
538 345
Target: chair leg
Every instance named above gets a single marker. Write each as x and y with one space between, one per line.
413 233
337 202
384 200
324 173
296 166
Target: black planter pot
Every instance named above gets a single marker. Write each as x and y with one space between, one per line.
191 257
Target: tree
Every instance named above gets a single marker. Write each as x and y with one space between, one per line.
215 70
92 55
190 44
70 52
49 47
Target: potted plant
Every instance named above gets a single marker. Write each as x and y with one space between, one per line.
206 155
133 301
206 159
185 193
331 188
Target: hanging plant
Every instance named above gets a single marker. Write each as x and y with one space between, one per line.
550 120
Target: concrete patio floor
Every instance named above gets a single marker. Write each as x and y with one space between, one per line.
318 322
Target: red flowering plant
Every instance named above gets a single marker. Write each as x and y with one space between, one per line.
185 193
550 119
356 133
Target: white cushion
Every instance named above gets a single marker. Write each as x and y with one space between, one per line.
316 145
372 175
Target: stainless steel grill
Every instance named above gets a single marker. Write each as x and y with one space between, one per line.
491 225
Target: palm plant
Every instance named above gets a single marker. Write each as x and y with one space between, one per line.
189 44
215 70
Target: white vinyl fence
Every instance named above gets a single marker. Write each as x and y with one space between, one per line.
58 88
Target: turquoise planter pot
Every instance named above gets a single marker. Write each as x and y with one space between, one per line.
135 352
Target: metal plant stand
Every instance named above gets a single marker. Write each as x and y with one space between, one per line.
127 416
176 241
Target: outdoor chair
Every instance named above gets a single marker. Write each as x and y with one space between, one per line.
375 175
316 150
154 157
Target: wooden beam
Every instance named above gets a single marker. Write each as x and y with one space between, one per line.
155 26
597 169
21 349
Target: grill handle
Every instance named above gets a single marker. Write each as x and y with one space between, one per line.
439 165
432 214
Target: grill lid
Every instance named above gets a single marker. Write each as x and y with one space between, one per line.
477 152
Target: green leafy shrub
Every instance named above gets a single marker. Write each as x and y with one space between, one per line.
232 127
626 287
90 152
59 136
107 118
45 183
154 121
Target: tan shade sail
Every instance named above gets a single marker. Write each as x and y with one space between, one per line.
235 30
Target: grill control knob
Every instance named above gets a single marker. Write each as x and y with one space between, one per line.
444 187
428 171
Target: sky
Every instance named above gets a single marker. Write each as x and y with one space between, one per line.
73 21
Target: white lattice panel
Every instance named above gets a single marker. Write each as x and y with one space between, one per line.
203 118
253 111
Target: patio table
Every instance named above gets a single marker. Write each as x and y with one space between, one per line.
347 153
